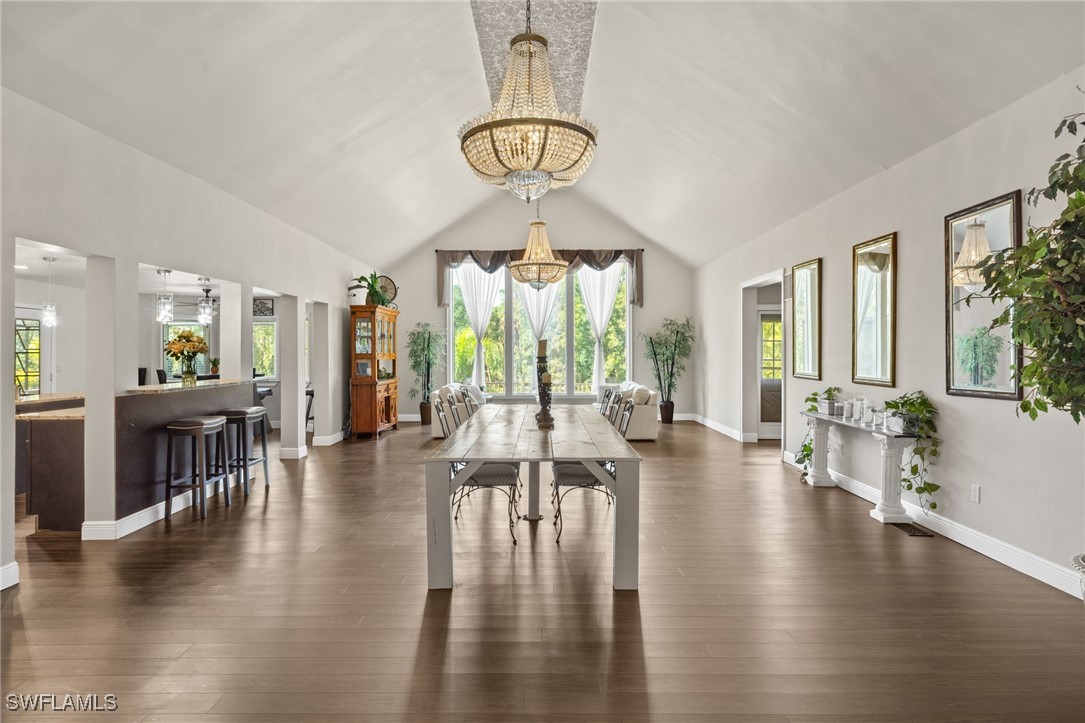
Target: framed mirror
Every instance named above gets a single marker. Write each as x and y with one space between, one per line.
806 315
874 312
979 362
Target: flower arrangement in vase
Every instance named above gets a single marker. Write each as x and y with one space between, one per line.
184 347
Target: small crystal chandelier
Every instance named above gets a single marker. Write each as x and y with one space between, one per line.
205 307
49 308
538 267
525 143
974 251
164 302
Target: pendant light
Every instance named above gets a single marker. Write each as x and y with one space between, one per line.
49 308
538 267
974 250
164 302
205 307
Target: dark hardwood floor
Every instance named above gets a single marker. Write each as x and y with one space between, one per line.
762 599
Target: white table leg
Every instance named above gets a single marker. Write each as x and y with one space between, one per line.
439 522
889 509
532 492
818 475
627 525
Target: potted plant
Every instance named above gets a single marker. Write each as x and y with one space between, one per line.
827 401
425 354
214 362
668 349
978 353
373 293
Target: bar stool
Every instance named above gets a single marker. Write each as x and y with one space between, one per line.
240 459
202 431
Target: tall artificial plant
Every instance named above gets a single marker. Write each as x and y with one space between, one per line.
1044 281
668 349
425 354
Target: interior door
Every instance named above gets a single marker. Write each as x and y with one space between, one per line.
771 376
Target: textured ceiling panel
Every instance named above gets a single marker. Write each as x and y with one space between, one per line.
566 24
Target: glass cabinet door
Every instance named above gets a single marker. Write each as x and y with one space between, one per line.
362 336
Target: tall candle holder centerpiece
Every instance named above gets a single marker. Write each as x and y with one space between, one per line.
543 417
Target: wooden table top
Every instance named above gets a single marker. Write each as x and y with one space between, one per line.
509 433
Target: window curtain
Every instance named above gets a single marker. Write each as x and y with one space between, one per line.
480 290
804 302
600 289
868 283
539 305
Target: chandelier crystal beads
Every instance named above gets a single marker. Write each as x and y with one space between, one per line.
974 250
164 301
49 308
538 267
526 144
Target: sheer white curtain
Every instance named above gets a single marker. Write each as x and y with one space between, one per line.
804 308
600 289
480 291
539 305
867 362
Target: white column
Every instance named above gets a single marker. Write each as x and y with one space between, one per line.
326 429
111 362
818 475
889 509
235 331
439 529
9 569
292 376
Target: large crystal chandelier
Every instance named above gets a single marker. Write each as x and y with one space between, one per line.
205 307
538 267
973 251
525 143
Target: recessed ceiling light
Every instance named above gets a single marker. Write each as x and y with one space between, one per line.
20 267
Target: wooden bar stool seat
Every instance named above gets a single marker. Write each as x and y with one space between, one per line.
203 431
241 458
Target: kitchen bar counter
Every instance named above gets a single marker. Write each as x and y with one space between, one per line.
176 386
45 402
52 414
49 466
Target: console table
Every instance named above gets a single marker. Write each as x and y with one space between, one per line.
893 444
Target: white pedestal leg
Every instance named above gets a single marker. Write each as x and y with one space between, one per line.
627 525
532 492
889 509
439 525
818 475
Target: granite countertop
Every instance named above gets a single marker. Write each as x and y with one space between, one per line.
50 397
75 413
176 386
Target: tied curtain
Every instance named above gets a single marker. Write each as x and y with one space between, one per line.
600 289
480 289
539 305
804 302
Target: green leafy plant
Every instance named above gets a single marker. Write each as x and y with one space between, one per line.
978 354
1044 281
425 354
806 447
668 349
919 412
372 286
213 361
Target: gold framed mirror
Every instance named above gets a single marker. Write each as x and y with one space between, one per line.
980 362
874 311
806 320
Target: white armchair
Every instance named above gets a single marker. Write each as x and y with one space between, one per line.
644 424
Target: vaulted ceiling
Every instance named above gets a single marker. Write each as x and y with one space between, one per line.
717 120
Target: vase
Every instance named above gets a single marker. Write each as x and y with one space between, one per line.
188 373
666 412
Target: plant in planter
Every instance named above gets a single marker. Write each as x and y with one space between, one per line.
668 349
826 403
806 447
1044 281
373 294
918 413
214 362
978 354
425 354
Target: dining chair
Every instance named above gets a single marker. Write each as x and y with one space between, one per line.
613 411
469 404
499 476
455 411
573 476
604 403
626 417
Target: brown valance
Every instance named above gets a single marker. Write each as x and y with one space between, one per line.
491 261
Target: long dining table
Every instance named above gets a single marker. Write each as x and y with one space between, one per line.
509 433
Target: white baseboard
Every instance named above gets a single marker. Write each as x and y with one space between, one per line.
410 417
293 452
275 424
9 575
715 426
328 440
1046 571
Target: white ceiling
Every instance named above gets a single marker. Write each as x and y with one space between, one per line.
717 121
69 269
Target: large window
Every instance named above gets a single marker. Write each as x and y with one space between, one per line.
772 346
265 348
173 366
28 355
509 341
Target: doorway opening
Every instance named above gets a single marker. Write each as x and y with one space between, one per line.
764 366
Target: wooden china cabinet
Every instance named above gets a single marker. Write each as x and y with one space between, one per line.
374 389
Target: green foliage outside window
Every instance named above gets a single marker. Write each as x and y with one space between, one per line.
264 347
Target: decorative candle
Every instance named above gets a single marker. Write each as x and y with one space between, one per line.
542 347
546 375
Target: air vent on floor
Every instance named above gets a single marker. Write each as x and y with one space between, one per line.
911 530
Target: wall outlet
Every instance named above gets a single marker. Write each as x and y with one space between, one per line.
976 493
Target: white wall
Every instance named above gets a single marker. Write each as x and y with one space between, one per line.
572 222
1033 496
69 335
